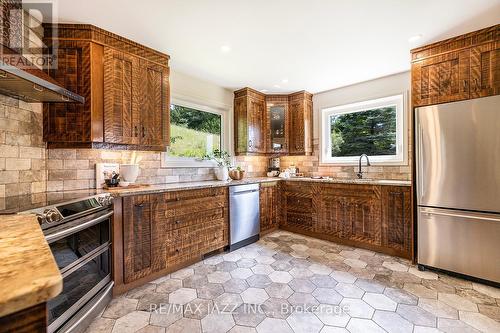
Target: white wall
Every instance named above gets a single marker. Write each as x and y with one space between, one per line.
191 89
381 87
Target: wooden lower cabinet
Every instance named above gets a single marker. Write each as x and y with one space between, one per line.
270 207
298 211
368 216
351 212
30 320
397 228
143 239
166 231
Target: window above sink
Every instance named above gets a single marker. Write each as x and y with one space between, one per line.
376 127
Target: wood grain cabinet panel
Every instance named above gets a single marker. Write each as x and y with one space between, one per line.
143 239
126 90
300 105
441 79
298 210
30 320
69 122
351 211
270 206
154 102
122 119
485 70
397 227
249 122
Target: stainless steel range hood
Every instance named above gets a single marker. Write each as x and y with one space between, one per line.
32 85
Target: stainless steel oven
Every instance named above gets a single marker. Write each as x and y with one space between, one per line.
79 235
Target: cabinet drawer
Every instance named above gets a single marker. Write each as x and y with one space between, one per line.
189 206
215 237
197 194
185 244
199 218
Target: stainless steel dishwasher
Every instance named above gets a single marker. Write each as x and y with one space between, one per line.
244 215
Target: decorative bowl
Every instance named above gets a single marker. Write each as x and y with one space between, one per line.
236 174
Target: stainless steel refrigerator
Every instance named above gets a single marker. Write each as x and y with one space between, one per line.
458 187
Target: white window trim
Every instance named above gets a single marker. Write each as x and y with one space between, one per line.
191 162
401 157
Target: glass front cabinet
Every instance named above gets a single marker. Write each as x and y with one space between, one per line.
277 109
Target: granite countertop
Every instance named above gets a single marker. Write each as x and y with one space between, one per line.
364 181
121 192
28 272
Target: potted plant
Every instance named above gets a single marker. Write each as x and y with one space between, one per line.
237 173
223 161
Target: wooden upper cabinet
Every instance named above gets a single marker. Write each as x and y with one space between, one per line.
68 121
485 70
256 125
122 121
301 125
278 120
256 131
125 85
441 79
458 68
249 122
154 99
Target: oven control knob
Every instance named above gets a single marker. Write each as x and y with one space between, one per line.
51 215
40 219
105 200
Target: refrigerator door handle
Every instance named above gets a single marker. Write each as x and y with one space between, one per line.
420 176
476 217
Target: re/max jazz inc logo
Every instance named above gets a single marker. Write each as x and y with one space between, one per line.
22 34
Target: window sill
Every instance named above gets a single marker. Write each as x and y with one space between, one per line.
363 163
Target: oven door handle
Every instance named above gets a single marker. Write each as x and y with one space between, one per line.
66 232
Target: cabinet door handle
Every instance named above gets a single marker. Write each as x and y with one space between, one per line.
177 222
139 205
143 132
136 131
465 85
250 143
476 83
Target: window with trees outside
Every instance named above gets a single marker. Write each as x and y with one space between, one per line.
374 127
194 133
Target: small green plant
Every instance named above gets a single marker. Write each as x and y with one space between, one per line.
221 157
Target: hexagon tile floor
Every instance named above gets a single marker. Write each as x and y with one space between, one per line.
291 283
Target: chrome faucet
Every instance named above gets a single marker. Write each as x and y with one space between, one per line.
360 172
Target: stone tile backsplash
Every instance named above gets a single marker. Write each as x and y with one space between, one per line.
22 150
72 169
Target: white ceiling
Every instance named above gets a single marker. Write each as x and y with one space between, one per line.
316 45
